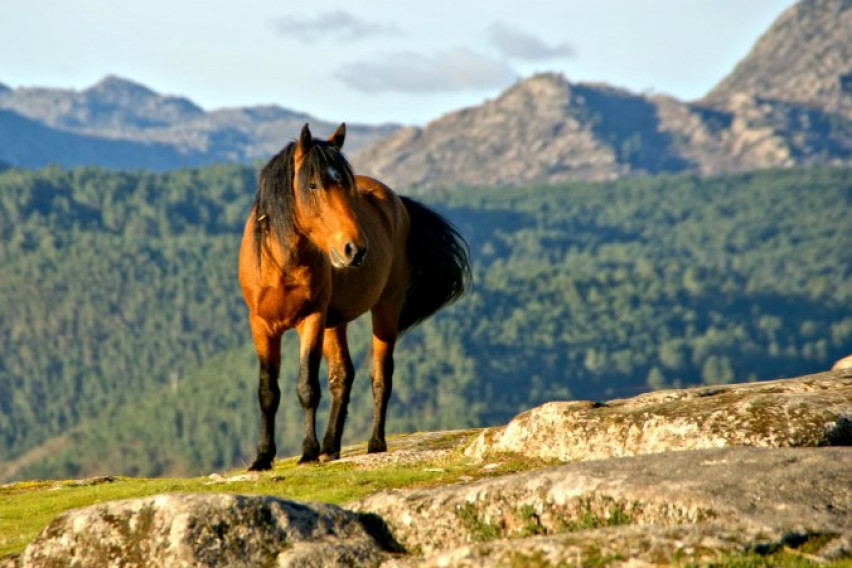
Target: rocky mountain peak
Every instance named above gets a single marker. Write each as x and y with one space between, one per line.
113 84
805 57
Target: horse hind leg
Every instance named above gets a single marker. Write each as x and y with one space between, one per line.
341 374
268 347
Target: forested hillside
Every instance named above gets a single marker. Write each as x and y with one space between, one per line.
125 347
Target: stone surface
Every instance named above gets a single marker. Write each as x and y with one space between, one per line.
204 530
674 504
614 547
740 497
841 364
814 410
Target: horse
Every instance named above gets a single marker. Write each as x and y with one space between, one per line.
322 246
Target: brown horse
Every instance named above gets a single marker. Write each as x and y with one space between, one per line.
321 247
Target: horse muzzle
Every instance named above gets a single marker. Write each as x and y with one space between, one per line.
352 255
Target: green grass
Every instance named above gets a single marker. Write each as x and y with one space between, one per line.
27 507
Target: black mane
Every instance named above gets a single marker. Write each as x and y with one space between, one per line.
275 202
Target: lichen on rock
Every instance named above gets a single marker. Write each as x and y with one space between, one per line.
809 411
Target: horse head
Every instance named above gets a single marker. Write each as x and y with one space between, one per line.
326 198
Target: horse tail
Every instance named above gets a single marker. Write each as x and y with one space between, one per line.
438 259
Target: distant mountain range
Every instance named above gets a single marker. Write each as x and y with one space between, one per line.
123 125
787 103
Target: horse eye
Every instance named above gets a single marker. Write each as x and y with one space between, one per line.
313 186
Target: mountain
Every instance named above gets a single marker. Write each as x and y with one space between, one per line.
546 130
788 103
805 58
30 144
121 124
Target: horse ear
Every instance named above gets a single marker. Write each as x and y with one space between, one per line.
339 135
305 137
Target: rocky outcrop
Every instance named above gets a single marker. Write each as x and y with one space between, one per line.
205 530
733 469
808 411
841 364
692 504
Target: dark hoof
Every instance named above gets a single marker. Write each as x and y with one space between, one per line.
308 460
310 452
261 464
329 456
377 447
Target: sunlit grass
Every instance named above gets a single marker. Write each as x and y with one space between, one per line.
27 507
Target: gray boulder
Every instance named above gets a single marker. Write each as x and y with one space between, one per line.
656 507
205 530
815 410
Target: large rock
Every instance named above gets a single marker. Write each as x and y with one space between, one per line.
710 500
204 530
815 410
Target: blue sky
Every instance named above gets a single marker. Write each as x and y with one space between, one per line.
376 60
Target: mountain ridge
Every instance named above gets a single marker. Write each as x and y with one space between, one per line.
787 103
169 131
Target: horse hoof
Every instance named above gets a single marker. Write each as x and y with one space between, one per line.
376 447
308 460
261 465
329 456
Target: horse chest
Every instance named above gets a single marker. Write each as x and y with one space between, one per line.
283 306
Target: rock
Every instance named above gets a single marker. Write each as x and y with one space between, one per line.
841 364
815 410
707 500
608 546
205 530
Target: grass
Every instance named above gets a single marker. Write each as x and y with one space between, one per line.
27 507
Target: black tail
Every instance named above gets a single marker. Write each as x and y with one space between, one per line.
440 270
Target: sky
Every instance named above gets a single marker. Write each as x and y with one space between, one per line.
375 61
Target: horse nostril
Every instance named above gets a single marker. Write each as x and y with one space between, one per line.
350 249
358 259
353 255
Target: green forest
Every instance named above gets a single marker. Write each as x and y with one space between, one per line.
125 345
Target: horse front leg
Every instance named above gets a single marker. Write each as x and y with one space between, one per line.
341 373
268 345
311 339
382 379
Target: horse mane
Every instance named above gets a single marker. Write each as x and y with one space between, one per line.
275 201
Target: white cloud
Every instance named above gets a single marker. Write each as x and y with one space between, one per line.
515 44
459 69
337 24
